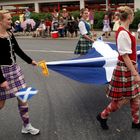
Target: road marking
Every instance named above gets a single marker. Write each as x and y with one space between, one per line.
52 51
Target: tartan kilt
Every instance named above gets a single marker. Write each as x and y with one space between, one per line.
82 46
122 84
15 79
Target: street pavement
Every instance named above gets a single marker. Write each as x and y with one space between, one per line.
98 33
63 109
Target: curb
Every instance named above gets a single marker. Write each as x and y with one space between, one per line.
45 38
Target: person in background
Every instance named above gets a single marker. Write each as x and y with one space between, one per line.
65 15
116 22
106 26
17 26
21 18
125 83
110 14
48 26
27 14
55 14
11 76
91 18
40 30
61 26
54 24
138 31
71 25
85 40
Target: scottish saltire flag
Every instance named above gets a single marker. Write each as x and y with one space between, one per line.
26 93
96 67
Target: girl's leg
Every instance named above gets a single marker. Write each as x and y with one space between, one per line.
23 110
2 103
106 34
112 107
27 127
134 104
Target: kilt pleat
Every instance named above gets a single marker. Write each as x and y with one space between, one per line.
83 46
122 84
15 79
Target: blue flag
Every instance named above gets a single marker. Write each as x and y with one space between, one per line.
25 94
96 67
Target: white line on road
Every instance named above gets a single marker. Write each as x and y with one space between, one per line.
52 51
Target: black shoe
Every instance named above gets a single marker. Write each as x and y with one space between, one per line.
134 125
103 122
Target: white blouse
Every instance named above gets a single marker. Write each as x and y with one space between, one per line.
124 43
82 28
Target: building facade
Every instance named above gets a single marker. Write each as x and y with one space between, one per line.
49 5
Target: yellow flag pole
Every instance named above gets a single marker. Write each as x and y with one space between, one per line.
43 65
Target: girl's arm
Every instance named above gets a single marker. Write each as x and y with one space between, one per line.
83 31
88 38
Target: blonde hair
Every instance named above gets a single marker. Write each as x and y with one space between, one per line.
124 11
2 12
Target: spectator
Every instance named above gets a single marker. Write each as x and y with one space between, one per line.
117 22
91 18
70 25
54 25
61 26
27 14
17 26
106 26
138 31
55 13
65 14
110 16
21 18
40 31
48 26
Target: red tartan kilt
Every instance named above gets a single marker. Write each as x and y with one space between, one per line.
122 84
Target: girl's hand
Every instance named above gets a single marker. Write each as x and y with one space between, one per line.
34 63
137 79
4 85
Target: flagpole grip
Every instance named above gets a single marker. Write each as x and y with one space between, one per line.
43 65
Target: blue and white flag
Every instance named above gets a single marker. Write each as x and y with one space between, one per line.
26 93
96 67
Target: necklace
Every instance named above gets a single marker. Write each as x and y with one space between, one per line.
4 35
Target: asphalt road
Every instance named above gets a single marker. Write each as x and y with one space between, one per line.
63 109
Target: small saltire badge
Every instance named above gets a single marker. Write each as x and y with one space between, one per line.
25 94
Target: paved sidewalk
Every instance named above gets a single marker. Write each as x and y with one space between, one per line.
99 33
20 35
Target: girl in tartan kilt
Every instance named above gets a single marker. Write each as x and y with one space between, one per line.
11 76
125 83
85 40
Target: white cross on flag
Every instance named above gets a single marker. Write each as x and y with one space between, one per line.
25 94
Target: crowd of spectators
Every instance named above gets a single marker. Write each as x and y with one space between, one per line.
63 23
